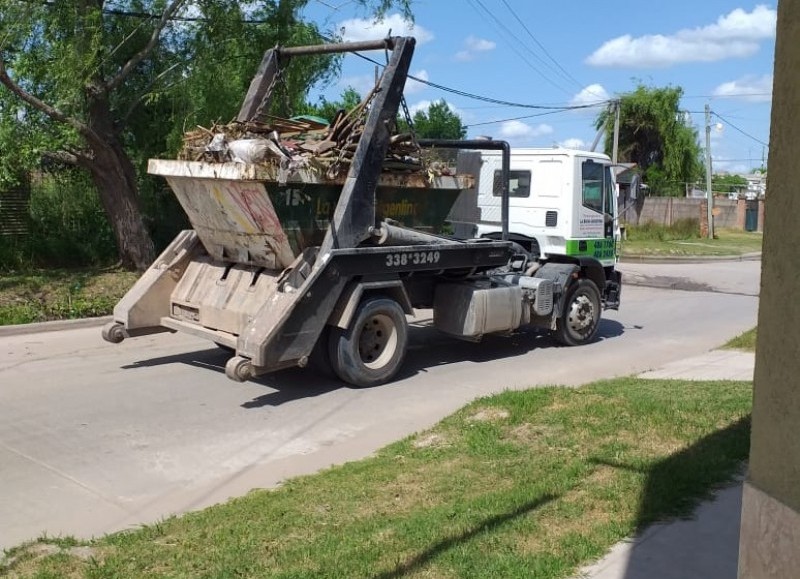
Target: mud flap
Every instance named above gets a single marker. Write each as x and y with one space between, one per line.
612 291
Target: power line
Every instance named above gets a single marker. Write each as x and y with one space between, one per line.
746 134
515 41
512 119
489 99
566 74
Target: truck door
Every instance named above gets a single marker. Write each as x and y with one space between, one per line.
609 202
596 221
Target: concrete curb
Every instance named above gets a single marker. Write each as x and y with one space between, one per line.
688 259
54 326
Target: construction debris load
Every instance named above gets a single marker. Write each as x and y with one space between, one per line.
303 142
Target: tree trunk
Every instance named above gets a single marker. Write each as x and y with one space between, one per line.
115 178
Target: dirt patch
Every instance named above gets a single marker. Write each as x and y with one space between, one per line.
530 433
430 440
489 415
28 556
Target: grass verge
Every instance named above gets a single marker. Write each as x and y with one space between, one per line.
659 241
59 294
745 341
522 484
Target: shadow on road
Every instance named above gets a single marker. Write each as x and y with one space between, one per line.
428 348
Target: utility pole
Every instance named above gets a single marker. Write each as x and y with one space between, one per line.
709 194
615 150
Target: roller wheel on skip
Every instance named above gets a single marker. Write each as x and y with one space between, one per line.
239 369
113 332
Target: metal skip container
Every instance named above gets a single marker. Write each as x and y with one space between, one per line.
244 214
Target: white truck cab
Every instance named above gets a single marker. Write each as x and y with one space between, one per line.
562 202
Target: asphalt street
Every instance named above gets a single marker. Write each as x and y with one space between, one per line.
96 437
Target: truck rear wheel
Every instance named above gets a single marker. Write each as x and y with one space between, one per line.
372 349
319 360
580 317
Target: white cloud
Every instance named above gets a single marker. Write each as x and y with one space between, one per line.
574 143
750 88
358 29
419 106
520 130
473 46
734 35
412 86
479 44
734 167
592 94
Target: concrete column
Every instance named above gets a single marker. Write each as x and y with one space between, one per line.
770 530
741 213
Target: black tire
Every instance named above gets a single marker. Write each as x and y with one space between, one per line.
319 360
372 349
580 316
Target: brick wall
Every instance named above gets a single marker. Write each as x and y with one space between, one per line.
668 210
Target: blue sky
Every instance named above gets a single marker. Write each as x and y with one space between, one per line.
720 52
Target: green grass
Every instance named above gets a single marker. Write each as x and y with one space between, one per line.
522 484
745 341
57 294
683 240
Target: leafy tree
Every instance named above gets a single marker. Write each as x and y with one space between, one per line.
439 122
100 87
655 135
728 183
328 109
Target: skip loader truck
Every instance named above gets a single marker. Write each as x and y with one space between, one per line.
313 241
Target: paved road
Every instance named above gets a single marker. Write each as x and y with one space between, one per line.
733 277
96 437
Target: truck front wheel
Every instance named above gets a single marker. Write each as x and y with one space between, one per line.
580 317
372 349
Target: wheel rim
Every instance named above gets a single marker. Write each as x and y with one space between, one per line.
581 317
378 341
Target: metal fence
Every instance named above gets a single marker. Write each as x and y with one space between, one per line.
14 211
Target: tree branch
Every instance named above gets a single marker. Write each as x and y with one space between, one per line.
68 157
144 94
144 52
84 130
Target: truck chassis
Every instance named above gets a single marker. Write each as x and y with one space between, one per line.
342 305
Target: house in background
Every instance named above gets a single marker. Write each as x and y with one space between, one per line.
756 186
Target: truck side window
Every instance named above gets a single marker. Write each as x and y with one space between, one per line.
519 184
593 183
